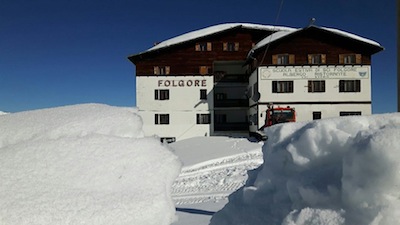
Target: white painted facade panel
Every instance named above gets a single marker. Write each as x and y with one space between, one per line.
181 125
329 103
300 79
182 105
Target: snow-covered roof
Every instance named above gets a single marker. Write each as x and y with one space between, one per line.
350 35
280 34
213 30
273 37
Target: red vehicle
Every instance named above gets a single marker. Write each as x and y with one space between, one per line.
279 115
275 116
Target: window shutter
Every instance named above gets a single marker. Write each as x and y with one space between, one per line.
236 46
156 70
309 59
203 70
358 58
341 59
274 86
291 59
225 46
167 70
156 94
323 58
197 47
156 119
310 86
275 59
209 46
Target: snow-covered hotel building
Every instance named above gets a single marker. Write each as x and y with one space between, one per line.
219 80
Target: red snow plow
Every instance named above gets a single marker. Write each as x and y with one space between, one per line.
279 115
275 116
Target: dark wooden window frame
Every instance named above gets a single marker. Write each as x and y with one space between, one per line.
316 86
161 119
282 86
203 94
161 94
203 118
349 86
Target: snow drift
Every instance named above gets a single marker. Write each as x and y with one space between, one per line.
83 164
329 172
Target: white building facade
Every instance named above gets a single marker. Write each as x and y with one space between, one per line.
315 92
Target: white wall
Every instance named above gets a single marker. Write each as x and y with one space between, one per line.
182 106
330 103
300 83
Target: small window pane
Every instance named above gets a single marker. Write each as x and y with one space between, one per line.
282 86
203 118
161 94
283 59
317 115
316 86
161 119
203 94
350 113
349 86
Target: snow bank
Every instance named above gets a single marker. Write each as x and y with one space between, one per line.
83 164
328 172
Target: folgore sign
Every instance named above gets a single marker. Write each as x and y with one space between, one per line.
314 72
182 83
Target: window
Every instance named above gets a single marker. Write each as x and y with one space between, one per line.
204 46
350 113
167 139
161 70
203 118
161 118
316 86
349 86
350 59
231 46
220 118
203 70
316 115
161 94
220 96
316 59
203 94
282 86
283 59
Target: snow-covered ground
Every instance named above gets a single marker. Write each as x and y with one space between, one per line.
214 167
90 164
339 171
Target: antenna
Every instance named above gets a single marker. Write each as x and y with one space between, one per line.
312 21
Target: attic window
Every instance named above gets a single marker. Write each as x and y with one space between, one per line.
350 59
161 70
283 59
231 46
204 46
316 59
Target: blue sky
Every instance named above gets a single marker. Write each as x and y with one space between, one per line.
55 53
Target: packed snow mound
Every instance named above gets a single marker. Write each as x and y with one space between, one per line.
75 120
340 171
83 164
